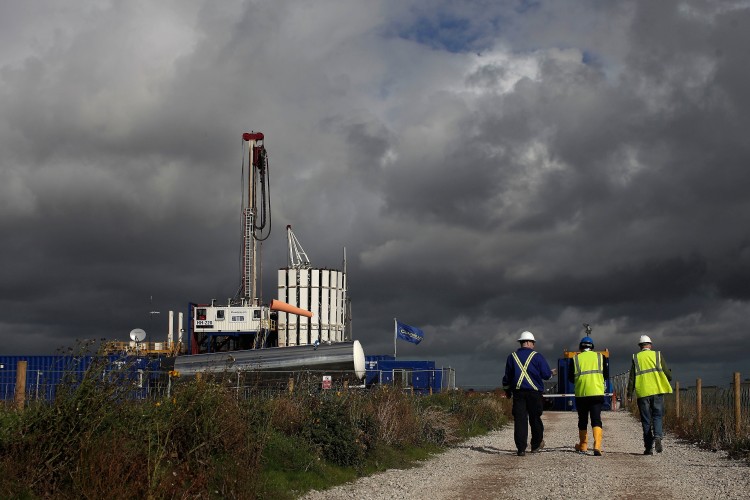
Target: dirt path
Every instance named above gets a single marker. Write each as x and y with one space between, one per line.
560 472
488 468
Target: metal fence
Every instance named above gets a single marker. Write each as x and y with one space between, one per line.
155 384
712 396
620 386
46 385
727 406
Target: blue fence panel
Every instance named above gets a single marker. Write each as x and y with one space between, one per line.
45 374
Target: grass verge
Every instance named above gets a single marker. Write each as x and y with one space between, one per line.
203 441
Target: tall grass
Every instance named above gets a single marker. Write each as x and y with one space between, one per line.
716 429
203 441
94 441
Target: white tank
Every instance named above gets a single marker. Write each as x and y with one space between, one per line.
320 291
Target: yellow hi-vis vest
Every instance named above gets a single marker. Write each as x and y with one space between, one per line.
588 367
650 379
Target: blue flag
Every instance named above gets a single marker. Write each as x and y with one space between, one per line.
408 333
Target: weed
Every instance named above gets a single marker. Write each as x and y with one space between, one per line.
715 430
396 417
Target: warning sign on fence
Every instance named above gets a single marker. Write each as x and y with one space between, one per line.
326 381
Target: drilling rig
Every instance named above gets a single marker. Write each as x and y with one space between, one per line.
304 330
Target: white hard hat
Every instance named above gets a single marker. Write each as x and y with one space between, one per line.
526 336
645 339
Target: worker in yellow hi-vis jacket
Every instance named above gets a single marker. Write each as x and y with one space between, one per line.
589 370
650 377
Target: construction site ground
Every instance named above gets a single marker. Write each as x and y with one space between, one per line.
487 467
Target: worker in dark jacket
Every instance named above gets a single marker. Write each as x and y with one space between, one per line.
525 373
588 370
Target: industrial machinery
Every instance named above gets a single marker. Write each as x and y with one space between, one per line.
321 291
304 329
241 323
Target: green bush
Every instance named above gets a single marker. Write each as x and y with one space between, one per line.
333 430
209 439
56 447
94 441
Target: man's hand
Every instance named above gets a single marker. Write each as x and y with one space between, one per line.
554 371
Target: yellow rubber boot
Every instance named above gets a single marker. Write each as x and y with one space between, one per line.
583 445
597 441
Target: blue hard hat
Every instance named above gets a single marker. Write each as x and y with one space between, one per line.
587 340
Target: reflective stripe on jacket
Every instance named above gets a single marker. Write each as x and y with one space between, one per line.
588 367
650 378
537 371
524 370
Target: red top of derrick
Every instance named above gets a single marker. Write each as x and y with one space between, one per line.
252 136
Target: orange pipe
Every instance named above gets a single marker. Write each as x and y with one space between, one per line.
277 305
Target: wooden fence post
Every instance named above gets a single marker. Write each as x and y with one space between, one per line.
20 398
698 396
677 399
737 402
290 385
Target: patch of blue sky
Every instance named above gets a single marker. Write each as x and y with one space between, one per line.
600 62
591 59
524 6
449 32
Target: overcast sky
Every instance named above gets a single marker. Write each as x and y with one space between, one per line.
490 166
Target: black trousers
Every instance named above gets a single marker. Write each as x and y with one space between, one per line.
589 406
527 411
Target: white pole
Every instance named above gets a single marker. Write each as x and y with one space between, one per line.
170 331
395 331
179 331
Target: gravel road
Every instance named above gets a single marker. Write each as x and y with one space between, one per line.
487 467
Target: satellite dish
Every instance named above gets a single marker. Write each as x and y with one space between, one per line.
137 335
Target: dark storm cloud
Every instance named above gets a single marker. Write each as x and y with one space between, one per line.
643 175
490 167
